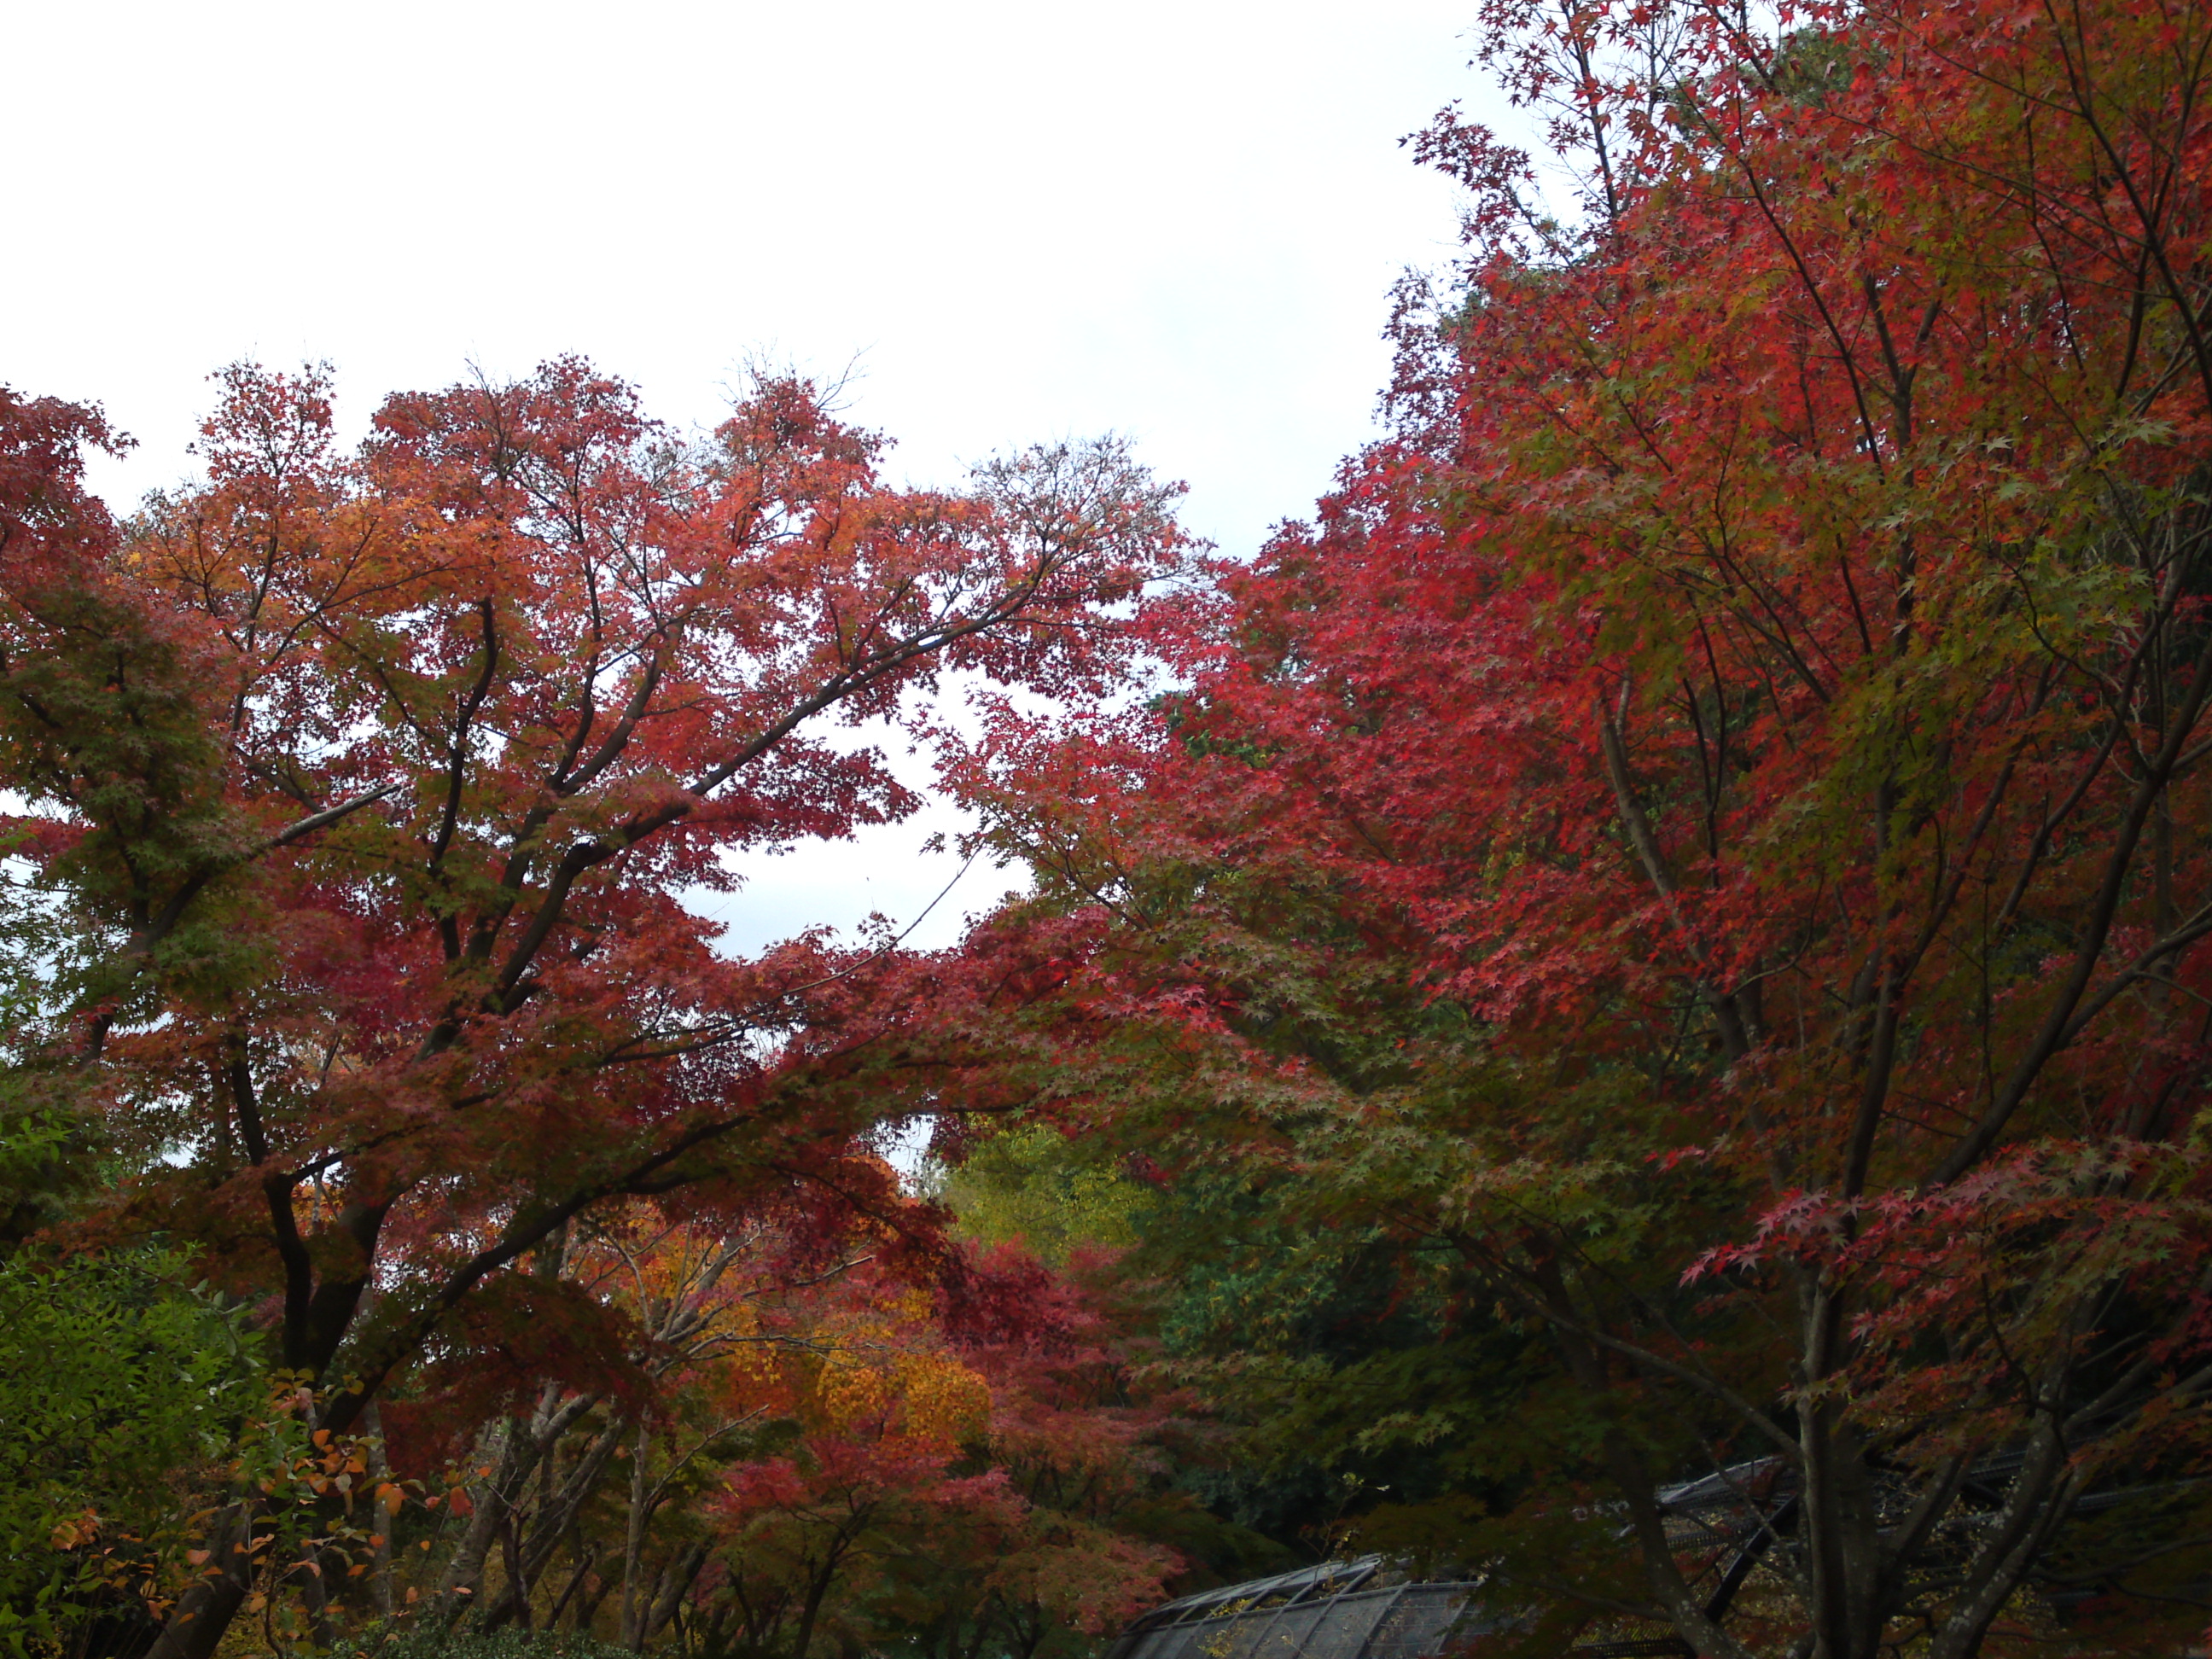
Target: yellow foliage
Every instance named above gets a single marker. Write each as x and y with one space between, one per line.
946 1400
873 1373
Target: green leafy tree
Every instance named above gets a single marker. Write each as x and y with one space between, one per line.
123 1396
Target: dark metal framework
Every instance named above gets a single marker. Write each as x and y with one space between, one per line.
1340 1610
1722 1529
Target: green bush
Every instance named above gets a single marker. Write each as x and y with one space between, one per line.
121 1393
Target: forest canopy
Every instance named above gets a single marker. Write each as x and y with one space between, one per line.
1621 1015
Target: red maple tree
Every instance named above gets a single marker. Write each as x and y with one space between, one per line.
1704 837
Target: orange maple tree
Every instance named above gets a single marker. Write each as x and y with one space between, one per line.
364 788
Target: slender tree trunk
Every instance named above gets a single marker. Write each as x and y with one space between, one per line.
634 1540
816 1592
315 1594
516 1601
463 1579
380 1570
676 1582
585 1556
817 1589
599 1587
557 1511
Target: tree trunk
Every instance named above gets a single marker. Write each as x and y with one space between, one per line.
676 1582
634 1541
463 1576
195 1625
541 1538
379 1572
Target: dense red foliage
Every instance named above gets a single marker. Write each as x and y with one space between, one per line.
1707 829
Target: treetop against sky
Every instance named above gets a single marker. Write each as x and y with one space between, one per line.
1004 223
1014 222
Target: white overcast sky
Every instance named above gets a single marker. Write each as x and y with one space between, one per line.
1016 222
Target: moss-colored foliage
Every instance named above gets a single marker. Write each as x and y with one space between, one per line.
1031 1185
